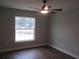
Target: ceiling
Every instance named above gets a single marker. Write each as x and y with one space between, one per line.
32 4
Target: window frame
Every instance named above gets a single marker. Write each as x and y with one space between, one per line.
25 29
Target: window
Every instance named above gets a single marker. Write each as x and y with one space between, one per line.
24 29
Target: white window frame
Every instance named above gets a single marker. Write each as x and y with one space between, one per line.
24 37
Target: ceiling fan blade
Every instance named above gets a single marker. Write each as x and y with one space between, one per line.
57 9
33 8
53 12
49 6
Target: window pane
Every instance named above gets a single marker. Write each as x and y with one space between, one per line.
25 23
25 29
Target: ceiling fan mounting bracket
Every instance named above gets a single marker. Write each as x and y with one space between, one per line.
44 1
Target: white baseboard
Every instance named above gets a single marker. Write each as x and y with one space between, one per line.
12 49
73 55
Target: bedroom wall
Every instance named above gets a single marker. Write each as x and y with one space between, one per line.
7 28
64 31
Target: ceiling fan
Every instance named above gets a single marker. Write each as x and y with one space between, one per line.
47 9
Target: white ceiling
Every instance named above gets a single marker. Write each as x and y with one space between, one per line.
31 4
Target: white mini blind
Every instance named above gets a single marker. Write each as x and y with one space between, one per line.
24 29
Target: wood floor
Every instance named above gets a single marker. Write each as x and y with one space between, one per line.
44 52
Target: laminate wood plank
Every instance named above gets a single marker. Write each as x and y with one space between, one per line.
35 53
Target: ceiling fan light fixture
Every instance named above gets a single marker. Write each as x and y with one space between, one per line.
44 11
46 8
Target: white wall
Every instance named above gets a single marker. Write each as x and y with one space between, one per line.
64 31
7 28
